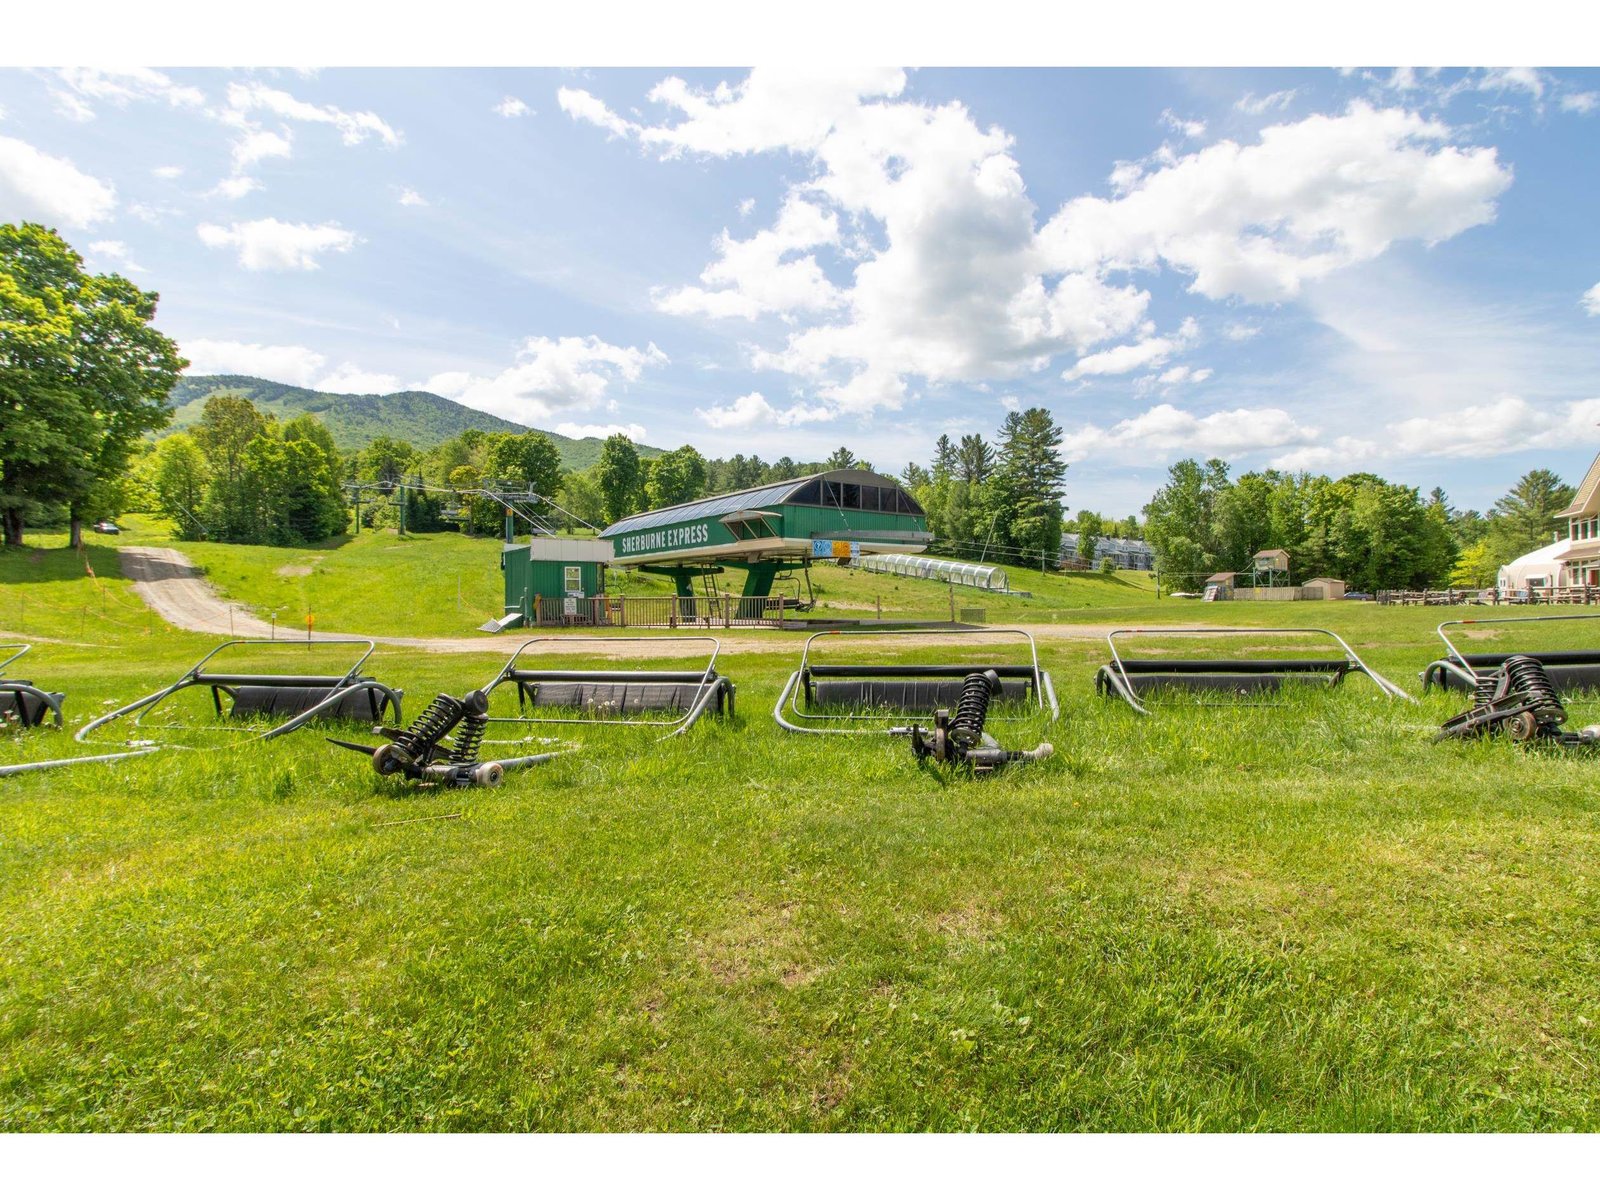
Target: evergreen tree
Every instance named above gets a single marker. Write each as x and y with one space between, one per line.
1525 518
1023 497
975 459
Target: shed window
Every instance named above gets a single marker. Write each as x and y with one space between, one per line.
574 576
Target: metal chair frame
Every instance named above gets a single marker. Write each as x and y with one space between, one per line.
1462 669
1116 679
710 688
20 688
1044 693
226 683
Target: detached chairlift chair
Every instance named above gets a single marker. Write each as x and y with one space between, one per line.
20 702
954 699
1135 679
1568 670
299 699
667 699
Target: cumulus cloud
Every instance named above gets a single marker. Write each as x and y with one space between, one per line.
570 429
1503 426
1257 222
353 127
759 275
1119 360
753 409
1591 301
273 245
411 198
284 364
1521 79
513 107
1183 374
1164 427
912 249
351 380
1189 127
1240 331
166 172
551 375
35 186
1581 102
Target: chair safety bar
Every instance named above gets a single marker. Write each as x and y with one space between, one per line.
19 699
1569 670
908 691
1125 678
689 694
303 697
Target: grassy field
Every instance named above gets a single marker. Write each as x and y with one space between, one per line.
1305 917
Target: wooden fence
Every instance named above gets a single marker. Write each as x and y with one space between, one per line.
1495 596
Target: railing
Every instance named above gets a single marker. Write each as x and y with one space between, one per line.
1495 596
718 611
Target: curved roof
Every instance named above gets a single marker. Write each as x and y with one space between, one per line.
826 489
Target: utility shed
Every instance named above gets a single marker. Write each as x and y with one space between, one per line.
1322 588
552 567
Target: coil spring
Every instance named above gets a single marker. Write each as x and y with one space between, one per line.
1526 675
1487 688
431 724
972 710
469 738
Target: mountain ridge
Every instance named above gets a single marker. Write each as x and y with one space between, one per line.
424 419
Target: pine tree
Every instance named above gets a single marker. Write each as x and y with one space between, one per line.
1023 496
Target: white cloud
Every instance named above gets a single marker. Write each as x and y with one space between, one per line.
116 253
273 245
1240 331
752 409
757 276
1119 360
581 106
1339 454
747 206
1581 102
351 380
551 375
1189 127
513 107
260 144
411 198
283 364
1183 374
1591 301
119 86
353 127
1522 79
235 187
1255 105
569 429
166 172
1503 426
35 186
1312 197
1163 428
920 255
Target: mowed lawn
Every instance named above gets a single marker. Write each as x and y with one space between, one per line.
1300 917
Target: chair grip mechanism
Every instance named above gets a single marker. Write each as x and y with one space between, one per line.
961 739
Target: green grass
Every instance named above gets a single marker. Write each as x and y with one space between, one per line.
1301 918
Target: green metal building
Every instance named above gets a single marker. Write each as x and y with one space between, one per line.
766 530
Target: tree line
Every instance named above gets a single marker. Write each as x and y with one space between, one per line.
1360 528
997 502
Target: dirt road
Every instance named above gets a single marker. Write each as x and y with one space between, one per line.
179 594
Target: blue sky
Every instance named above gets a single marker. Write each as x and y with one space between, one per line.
1396 271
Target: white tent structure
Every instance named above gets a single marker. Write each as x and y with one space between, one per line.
1539 568
915 566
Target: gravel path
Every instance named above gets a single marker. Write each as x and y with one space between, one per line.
178 593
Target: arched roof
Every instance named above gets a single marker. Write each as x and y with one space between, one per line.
849 491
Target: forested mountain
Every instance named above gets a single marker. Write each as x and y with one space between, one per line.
421 418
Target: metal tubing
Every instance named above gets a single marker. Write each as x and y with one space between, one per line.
23 768
1461 664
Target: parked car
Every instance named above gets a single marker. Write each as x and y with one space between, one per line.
106 527
1358 595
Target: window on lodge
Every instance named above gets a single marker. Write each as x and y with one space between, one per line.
859 497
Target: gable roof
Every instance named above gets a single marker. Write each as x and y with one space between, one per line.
1584 499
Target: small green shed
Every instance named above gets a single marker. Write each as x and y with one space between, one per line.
552 568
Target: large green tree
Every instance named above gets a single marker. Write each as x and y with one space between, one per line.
620 477
84 375
675 477
1525 517
1024 494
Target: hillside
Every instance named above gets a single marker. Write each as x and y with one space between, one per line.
421 418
